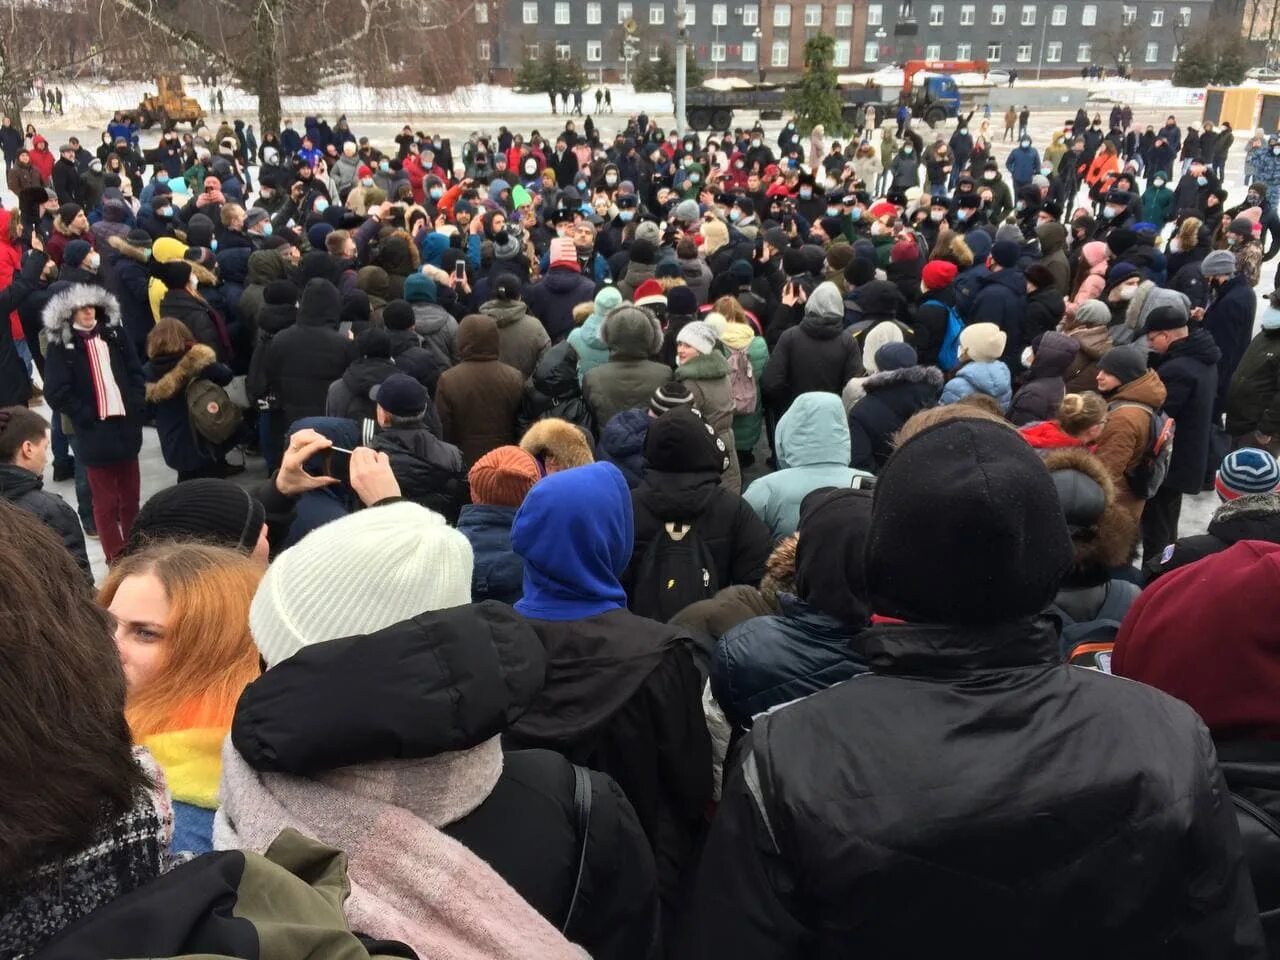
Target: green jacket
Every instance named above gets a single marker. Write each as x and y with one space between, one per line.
1157 205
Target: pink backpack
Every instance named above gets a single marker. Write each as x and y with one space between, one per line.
742 382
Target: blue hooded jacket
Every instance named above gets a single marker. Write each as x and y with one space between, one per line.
574 532
498 573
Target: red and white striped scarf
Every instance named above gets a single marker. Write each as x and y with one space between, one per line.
106 392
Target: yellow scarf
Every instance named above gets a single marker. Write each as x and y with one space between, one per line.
191 761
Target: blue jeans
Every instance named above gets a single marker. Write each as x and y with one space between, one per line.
269 440
84 495
24 352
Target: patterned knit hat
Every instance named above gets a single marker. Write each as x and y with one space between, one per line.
563 253
670 395
503 477
1245 471
359 574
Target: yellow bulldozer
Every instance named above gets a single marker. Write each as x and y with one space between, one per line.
169 106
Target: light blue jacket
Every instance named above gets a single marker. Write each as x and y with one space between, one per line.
991 378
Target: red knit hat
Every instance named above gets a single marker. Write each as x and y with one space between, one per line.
503 477
883 209
1172 638
650 292
564 253
364 170
938 273
904 251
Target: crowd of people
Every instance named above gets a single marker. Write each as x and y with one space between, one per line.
671 546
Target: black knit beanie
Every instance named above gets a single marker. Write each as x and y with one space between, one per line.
831 570
966 529
201 511
680 441
397 315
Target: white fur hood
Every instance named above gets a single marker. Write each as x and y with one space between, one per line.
58 311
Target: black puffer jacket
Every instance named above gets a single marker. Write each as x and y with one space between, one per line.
1045 309
817 354
272 318
1190 375
554 391
932 319
1041 395
1252 771
991 789
349 394
429 471
25 490
891 397
449 681
305 358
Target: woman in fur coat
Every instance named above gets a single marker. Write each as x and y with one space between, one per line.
174 360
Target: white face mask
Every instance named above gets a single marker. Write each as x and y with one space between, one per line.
937 215
1028 357
1126 293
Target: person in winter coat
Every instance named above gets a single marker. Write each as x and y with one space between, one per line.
933 313
629 378
812 445
814 355
1091 275
747 356
317 755
427 470
553 391
24 454
636 713
350 396
1045 306
901 388
129 268
585 340
182 302
967 645
980 370
477 400
1077 424
1088 328
15 383
304 359
499 481
174 361
1253 399
703 368
1002 299
683 465
1053 254
1052 354
436 328
1166 643
1186 361
1023 163
804 647
1132 393
1229 318
410 356
553 298
93 378
1157 201
182 628
522 340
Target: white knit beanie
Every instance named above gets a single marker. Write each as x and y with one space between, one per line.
359 574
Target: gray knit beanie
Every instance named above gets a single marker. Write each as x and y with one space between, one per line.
1093 313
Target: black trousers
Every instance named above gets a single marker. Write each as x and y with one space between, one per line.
1160 522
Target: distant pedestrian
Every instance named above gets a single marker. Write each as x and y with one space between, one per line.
1010 118
599 98
221 106
1013 76
608 100
1024 118
57 96
551 95
46 99
577 102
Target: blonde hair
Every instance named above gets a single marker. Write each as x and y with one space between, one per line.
1188 233
168 338
729 308
1080 411
209 654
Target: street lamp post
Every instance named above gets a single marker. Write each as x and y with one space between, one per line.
1044 25
714 59
758 36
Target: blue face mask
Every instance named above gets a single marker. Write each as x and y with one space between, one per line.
694 177
1109 213
165 212
833 211
436 193
806 193
735 214
266 229
855 214
384 166
1203 181
962 215
213 245
146 253
321 205
1271 319
626 215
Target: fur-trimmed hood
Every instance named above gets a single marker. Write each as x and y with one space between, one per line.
196 359
63 228
1108 543
125 249
918 374
61 305
1252 517
560 439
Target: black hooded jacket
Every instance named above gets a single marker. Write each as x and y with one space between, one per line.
446 681
1189 371
302 360
891 397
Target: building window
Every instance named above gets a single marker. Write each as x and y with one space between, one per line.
1084 53
1059 17
997 14
1130 16
1028 16
657 14
719 14
624 12
782 16
564 51
562 13
593 14
530 12
1184 16
781 54
690 15
964 51
482 12
871 53
813 14
968 13
844 15
750 53
933 51
1089 15
595 51
482 51
1157 17
936 14
750 15
1153 52
993 52
717 53
1024 53
655 52
531 51
840 54
1053 51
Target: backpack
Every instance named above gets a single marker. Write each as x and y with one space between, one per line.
212 415
742 382
1089 643
1146 478
949 352
675 570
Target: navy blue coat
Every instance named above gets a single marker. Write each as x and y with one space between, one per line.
498 573
167 379
68 384
771 660
128 267
1229 319
1190 375
1002 299
553 298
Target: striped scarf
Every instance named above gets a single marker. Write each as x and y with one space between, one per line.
108 400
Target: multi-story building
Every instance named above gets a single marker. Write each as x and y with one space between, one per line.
767 37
